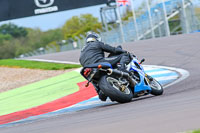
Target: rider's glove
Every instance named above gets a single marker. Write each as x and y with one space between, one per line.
119 50
130 53
126 52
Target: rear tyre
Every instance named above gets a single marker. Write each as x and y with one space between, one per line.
156 87
114 90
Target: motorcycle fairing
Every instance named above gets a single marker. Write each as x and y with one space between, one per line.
141 86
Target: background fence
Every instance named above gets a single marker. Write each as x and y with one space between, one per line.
153 18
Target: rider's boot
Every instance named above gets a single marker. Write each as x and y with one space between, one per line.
102 96
122 68
122 64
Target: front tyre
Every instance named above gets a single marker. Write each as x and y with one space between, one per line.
156 87
113 88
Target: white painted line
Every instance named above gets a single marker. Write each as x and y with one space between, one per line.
159 72
78 70
146 68
184 74
150 67
166 78
54 61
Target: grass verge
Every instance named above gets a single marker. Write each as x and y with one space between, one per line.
196 131
36 64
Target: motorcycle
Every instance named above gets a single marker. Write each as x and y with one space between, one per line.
118 85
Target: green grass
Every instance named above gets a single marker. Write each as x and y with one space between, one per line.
35 64
196 131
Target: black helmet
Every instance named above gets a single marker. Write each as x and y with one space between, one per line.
92 37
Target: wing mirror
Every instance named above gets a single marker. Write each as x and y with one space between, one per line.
142 61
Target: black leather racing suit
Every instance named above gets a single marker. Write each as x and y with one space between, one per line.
93 52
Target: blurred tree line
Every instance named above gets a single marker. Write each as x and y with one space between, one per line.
15 40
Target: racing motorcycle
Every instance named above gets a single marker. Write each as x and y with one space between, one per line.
121 86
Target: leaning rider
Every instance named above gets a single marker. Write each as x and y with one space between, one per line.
93 52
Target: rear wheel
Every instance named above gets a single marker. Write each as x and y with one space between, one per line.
115 89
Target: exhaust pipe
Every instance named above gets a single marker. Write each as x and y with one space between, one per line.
121 74
117 73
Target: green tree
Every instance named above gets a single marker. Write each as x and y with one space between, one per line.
4 37
7 50
12 46
52 36
13 30
78 25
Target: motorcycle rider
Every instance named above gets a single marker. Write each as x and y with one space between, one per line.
93 52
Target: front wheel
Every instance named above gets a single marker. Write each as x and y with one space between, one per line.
156 87
114 89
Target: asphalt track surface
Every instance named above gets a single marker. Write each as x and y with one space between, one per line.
177 110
